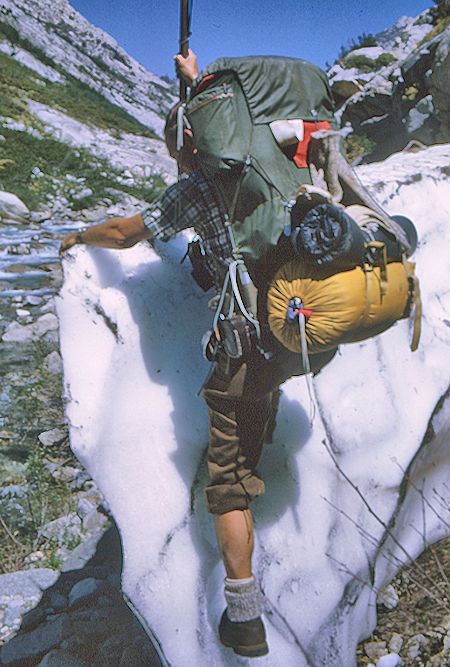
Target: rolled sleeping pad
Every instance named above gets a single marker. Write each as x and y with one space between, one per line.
328 235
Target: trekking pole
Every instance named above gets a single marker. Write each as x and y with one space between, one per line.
185 21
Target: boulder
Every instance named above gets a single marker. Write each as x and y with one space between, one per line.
12 209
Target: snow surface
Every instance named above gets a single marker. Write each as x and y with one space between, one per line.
376 454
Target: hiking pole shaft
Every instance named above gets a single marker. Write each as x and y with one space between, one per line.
184 40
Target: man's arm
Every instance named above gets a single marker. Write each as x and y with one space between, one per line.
116 233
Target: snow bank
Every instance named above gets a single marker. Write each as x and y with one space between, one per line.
347 500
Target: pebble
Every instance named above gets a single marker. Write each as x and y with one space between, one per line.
375 650
389 660
53 437
395 643
388 597
415 645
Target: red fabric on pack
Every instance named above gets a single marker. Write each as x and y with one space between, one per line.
301 155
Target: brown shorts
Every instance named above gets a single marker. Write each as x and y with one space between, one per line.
242 401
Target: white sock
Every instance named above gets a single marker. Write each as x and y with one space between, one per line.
243 599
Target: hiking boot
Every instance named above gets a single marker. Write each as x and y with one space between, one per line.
246 638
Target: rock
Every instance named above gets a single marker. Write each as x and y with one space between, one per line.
12 208
440 86
415 644
86 588
33 300
66 473
33 645
17 333
85 507
58 658
78 557
388 597
62 530
53 437
53 363
395 643
389 660
375 650
94 522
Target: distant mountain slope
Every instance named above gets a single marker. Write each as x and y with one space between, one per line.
72 46
81 121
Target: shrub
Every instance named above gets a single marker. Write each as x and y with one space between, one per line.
366 64
359 43
357 145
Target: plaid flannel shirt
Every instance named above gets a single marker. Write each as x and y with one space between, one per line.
192 202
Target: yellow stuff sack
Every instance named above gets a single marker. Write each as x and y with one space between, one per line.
344 307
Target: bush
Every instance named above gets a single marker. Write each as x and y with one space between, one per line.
366 64
357 145
359 43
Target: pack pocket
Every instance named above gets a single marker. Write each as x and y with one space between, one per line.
220 123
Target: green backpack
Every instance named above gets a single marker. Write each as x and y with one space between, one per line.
252 119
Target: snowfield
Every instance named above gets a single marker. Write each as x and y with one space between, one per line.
348 499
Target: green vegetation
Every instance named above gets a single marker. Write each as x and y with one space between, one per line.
37 168
357 145
368 64
353 44
441 24
77 99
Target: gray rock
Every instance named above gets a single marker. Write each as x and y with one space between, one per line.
85 588
94 522
31 646
62 530
29 583
12 208
420 114
53 437
395 643
33 300
388 597
22 334
58 658
85 507
78 557
53 363
375 650
415 644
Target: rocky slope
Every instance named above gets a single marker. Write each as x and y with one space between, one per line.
397 89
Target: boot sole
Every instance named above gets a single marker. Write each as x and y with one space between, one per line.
248 651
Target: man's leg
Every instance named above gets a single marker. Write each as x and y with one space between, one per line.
240 627
237 429
235 540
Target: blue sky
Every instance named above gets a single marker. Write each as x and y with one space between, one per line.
314 30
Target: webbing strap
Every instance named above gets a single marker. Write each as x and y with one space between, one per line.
417 315
381 262
306 365
417 322
368 272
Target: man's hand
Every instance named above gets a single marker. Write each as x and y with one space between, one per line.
116 233
68 242
186 68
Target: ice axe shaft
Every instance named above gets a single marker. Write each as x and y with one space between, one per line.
184 40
